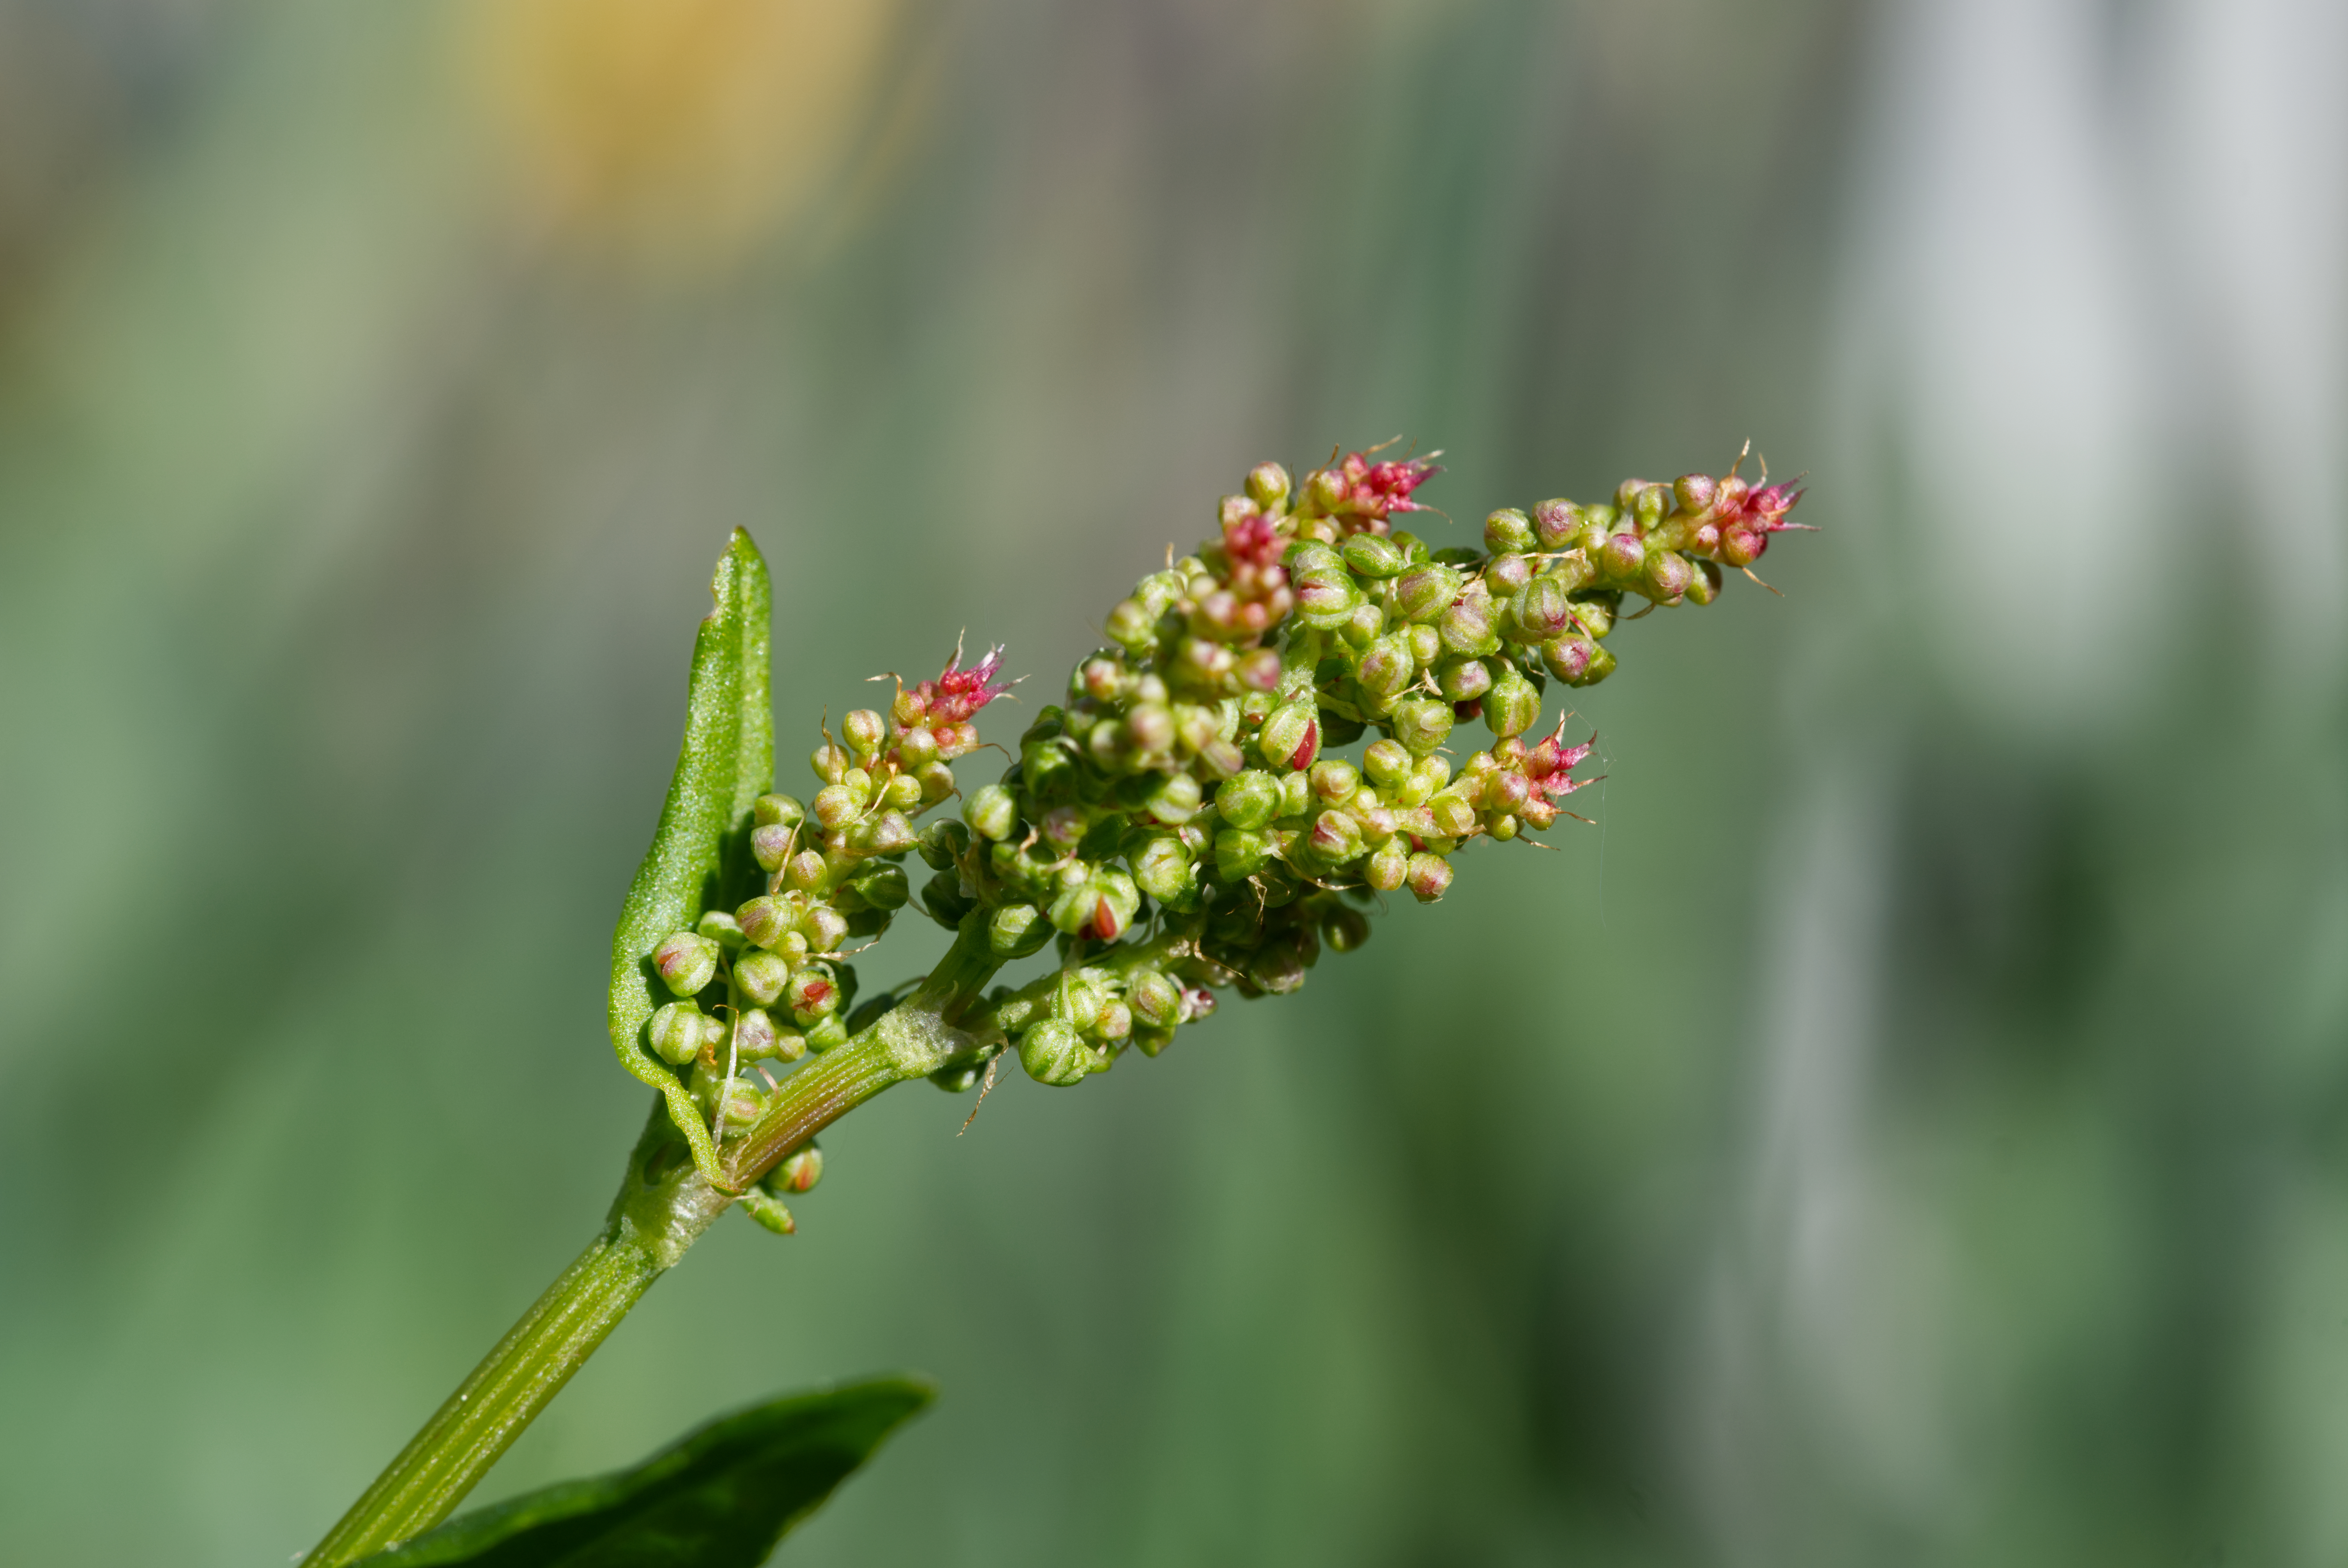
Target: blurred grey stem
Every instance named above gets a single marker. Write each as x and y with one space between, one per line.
663 1206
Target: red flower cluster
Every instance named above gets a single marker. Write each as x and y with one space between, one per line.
1361 495
1746 518
1254 596
946 705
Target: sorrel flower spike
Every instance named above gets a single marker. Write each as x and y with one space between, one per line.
1182 823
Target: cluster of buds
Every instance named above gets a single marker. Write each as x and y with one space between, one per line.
1186 820
768 983
1181 822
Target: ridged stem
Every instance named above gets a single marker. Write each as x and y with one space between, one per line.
662 1206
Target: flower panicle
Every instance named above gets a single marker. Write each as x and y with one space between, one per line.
1191 817
1184 822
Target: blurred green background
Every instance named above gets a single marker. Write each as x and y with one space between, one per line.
1911 1126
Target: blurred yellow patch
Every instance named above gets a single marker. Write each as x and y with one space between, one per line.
677 131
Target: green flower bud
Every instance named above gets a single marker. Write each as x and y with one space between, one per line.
674 1032
1600 665
1427 593
1149 729
1151 1039
687 961
806 871
1156 1001
955 1078
1421 724
1276 969
1453 813
769 1211
1429 876
1555 523
916 749
1131 625
1326 600
881 885
1221 758
1507 574
1389 864
1175 799
800 1170
1425 644
1696 492
993 813
1387 666
1099 906
1647 505
1467 627
942 897
1345 928
1623 557
1387 762
1113 1022
831 762
1335 839
1053 1052
1512 707
761 976
1290 736
1508 531
836 806
864 731
773 810
825 926
937 782
1373 556
1310 556
1594 617
811 994
744 1099
1335 780
1162 869
828 1032
1239 853
1568 656
755 1037
1267 486
1361 628
943 843
901 793
1704 586
1296 793
1248 800
1666 579
1015 930
1543 610
770 846
889 833
721 928
1463 680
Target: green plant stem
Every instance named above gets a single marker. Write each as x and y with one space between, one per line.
663 1206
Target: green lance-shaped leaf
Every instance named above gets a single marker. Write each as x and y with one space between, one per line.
717 1498
700 855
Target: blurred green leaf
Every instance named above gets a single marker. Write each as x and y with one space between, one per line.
727 763
720 1497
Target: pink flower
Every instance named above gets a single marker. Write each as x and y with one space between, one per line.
958 694
1365 494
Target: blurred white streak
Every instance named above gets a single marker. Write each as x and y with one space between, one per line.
2251 122
1999 364
1818 1351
